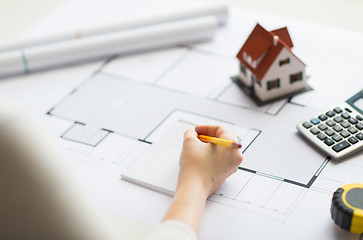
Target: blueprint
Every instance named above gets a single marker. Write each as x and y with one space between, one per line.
103 115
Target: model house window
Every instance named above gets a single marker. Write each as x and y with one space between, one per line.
273 84
259 83
243 69
254 79
283 62
296 77
249 60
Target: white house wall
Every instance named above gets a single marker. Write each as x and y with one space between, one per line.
246 79
283 72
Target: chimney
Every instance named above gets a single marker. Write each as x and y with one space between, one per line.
276 40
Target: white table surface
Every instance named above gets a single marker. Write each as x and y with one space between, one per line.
17 16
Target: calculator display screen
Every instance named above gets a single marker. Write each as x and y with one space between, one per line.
359 104
356 101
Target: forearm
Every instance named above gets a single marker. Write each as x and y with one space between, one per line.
188 203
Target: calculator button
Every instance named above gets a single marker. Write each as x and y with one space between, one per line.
328 141
322 136
360 118
352 120
329 132
337 128
330 123
359 126
314 131
348 110
338 119
359 136
314 121
323 117
345 124
338 110
344 134
353 140
341 146
337 138
345 115
330 113
323 127
307 125
352 130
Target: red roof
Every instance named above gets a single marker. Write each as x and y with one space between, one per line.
261 41
284 36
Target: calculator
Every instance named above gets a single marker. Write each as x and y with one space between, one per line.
338 131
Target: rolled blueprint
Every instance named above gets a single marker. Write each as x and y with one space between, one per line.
220 11
105 45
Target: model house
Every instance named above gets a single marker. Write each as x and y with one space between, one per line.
268 66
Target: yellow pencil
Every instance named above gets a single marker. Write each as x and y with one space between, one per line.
219 141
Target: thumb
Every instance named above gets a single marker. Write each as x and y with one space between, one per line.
190 135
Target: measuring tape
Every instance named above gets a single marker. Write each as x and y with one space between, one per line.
347 207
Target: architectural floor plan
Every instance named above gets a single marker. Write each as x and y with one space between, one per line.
104 115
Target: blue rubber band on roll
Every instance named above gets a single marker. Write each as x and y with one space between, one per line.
25 61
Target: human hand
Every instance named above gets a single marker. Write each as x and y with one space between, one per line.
203 168
207 163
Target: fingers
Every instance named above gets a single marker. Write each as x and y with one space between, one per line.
215 131
190 135
239 159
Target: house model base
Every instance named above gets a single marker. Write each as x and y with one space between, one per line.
249 91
